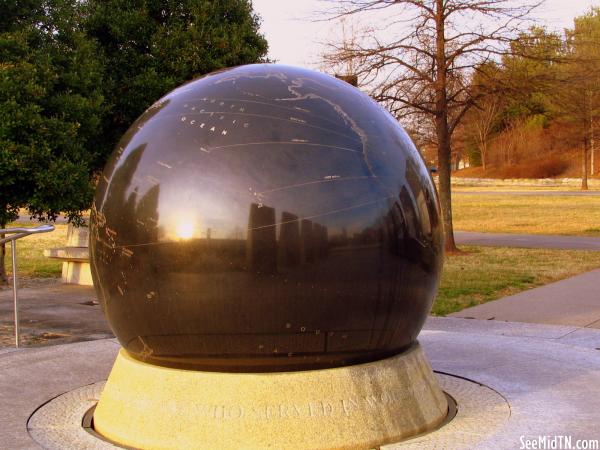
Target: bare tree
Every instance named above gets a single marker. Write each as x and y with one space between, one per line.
484 116
511 144
579 96
421 68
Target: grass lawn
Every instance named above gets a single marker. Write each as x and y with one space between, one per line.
489 273
480 275
568 215
522 188
31 262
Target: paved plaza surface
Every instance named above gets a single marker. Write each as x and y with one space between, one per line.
549 376
53 313
539 350
527 240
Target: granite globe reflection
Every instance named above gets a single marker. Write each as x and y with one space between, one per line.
265 218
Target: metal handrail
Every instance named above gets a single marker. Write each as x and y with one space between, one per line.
18 233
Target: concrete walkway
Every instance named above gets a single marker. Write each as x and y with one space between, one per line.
574 301
527 240
30 377
52 313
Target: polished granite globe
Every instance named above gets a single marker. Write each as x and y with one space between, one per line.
265 218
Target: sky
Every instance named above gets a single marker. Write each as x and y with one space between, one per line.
295 39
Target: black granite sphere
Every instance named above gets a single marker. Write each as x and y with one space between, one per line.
265 218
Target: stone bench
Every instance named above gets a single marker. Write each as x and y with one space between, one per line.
75 257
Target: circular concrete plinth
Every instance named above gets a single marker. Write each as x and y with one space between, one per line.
549 375
57 425
358 406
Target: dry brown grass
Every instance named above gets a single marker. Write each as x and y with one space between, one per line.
548 167
567 215
508 188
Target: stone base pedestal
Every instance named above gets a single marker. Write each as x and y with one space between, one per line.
353 407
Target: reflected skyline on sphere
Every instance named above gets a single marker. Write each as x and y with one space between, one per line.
265 218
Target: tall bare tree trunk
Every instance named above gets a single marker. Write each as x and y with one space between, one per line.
592 148
483 151
3 275
587 137
444 184
442 130
585 164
